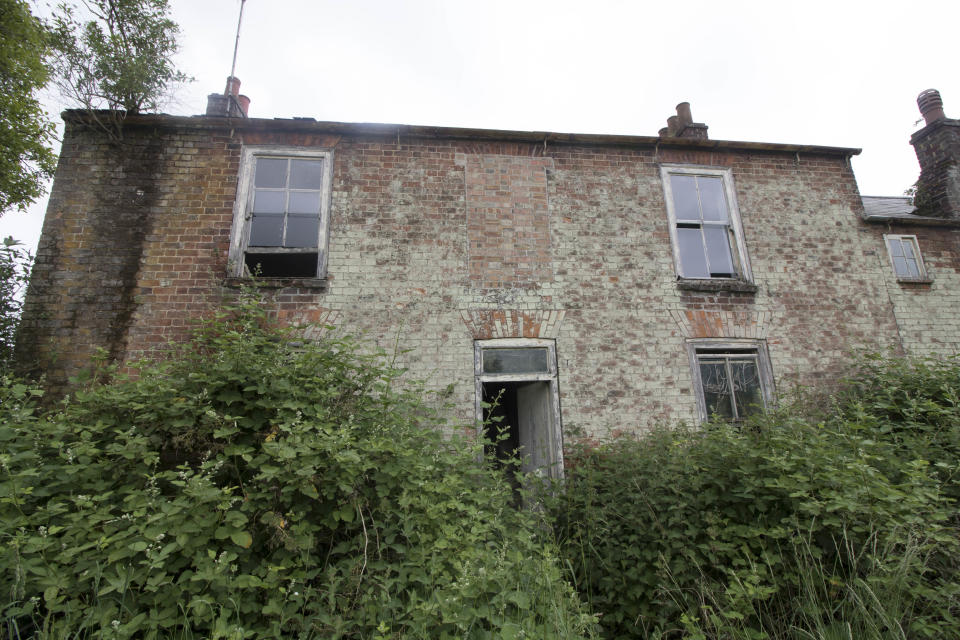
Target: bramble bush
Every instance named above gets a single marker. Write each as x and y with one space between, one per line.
251 486
838 526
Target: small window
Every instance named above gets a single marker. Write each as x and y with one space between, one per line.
733 380
905 257
705 224
281 215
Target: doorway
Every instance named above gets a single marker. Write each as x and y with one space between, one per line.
518 404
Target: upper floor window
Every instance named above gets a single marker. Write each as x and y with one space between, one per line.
282 215
905 256
705 223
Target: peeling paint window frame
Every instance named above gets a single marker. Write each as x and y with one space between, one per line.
738 248
243 206
890 240
704 349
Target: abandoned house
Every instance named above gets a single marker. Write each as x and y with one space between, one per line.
596 283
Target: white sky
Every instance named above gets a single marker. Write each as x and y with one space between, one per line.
832 73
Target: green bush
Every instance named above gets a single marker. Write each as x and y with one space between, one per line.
252 486
15 263
781 528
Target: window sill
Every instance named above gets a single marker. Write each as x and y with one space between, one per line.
234 282
910 281
716 284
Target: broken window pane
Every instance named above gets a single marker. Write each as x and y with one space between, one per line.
282 265
271 173
693 261
685 204
515 360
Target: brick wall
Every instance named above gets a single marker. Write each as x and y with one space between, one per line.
938 149
438 241
926 312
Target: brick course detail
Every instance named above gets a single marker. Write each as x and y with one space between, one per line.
441 237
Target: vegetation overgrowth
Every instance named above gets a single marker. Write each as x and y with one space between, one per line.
254 486
15 263
804 523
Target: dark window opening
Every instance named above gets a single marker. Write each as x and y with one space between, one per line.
282 265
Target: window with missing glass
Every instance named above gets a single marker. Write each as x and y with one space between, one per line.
282 213
732 380
904 252
705 224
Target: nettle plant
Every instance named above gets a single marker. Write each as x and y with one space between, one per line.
253 485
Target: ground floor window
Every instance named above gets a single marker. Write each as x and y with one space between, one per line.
517 401
732 379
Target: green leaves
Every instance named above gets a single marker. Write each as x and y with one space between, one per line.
244 488
787 523
26 132
116 54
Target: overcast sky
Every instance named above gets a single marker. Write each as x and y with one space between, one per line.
829 73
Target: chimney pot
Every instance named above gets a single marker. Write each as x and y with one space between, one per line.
931 106
244 104
673 126
233 86
683 113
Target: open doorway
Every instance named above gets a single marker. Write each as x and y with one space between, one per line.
518 404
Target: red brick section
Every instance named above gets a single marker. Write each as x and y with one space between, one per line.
508 224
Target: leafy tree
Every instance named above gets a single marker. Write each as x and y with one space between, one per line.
14 273
26 160
121 58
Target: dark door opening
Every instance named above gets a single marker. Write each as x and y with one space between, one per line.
520 423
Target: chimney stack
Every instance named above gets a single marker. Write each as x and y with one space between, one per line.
937 146
230 103
931 106
683 126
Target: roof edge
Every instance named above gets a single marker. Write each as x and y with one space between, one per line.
302 125
908 218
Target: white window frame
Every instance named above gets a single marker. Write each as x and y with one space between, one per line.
739 249
922 276
243 206
733 347
549 376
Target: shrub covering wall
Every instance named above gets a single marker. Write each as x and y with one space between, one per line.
254 487
804 523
